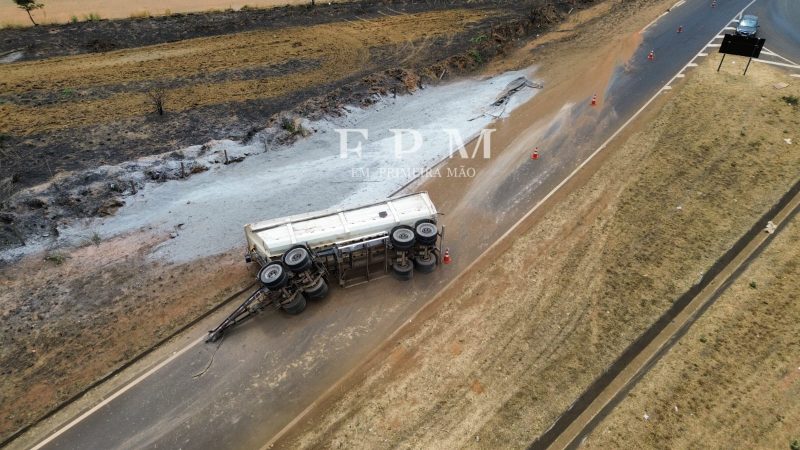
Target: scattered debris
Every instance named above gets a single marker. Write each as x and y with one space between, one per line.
498 107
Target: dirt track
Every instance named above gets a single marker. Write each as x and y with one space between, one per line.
495 360
63 11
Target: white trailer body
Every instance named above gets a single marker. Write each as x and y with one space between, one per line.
321 230
300 255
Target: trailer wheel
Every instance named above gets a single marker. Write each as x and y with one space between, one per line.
403 272
425 264
427 232
402 237
273 275
297 305
318 292
297 258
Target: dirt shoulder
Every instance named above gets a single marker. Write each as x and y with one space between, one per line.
497 358
733 380
76 11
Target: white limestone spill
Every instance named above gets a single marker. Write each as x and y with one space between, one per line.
206 212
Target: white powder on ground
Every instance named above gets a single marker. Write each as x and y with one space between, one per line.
206 212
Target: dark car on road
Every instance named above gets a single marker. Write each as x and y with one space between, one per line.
748 26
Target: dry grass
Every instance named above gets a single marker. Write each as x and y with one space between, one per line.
60 11
511 347
733 381
340 49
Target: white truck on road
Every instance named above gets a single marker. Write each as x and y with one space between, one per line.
300 255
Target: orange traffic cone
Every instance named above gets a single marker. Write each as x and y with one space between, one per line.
680 29
652 55
535 154
594 100
446 259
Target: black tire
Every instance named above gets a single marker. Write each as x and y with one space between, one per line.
297 258
427 232
297 306
318 292
403 272
402 237
273 275
425 264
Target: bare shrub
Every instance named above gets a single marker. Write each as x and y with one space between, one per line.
158 98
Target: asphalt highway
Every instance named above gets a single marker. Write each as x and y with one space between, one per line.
271 368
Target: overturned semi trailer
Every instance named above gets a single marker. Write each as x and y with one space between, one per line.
299 256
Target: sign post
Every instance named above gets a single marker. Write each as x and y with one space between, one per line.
742 46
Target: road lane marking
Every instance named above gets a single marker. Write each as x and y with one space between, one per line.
679 3
775 63
654 21
770 52
116 394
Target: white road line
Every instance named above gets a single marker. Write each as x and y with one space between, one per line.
702 54
691 64
681 2
654 21
680 75
729 28
666 88
116 394
764 61
770 52
496 243
714 45
513 228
